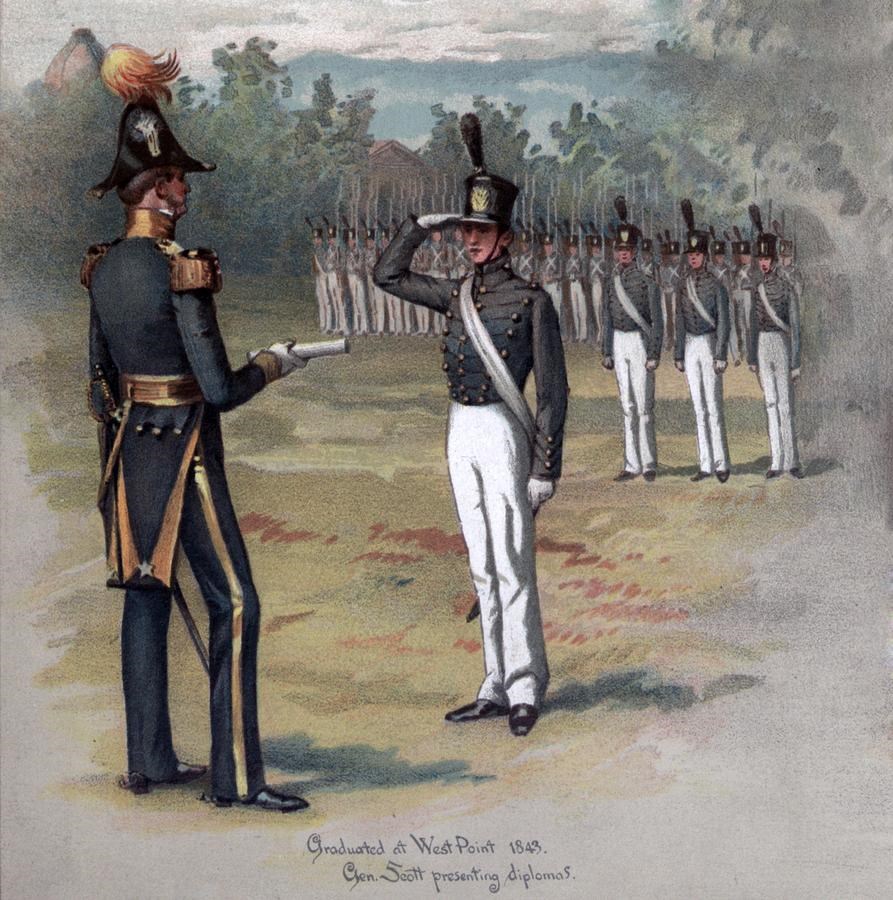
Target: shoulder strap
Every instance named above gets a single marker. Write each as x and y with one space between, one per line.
783 326
629 307
696 302
494 363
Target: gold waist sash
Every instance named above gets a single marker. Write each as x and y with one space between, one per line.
161 390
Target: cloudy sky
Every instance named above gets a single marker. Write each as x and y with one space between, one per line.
31 31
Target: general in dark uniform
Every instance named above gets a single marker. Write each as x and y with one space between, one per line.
160 380
503 461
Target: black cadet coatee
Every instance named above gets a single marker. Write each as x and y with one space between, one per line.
519 318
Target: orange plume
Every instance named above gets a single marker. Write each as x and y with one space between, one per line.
132 73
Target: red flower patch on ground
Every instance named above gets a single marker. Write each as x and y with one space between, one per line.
576 552
630 556
394 559
607 564
390 643
273 529
433 540
635 613
664 559
279 622
467 646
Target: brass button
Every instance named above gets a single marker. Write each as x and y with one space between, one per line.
465 398
504 354
480 399
461 357
526 301
550 439
450 384
548 453
446 367
461 371
510 332
516 317
445 332
485 387
455 294
443 348
482 289
548 464
449 314
463 338
479 306
454 395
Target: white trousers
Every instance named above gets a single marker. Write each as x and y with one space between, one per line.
773 360
706 397
322 300
580 313
335 320
379 305
396 309
636 384
489 464
357 286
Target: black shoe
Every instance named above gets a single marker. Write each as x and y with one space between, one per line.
796 472
522 718
184 774
135 782
276 802
480 709
700 476
625 476
773 473
649 476
722 476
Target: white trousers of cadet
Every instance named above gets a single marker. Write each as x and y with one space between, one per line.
636 384
322 299
580 313
707 399
335 318
379 304
357 286
774 362
489 464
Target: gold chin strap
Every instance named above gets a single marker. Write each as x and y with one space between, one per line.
149 223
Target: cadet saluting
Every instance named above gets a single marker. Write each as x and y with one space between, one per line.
160 378
503 464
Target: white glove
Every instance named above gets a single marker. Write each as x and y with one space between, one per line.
539 490
287 360
433 220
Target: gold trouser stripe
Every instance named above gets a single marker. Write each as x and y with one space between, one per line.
166 544
130 560
237 602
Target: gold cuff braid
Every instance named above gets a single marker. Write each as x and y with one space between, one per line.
269 364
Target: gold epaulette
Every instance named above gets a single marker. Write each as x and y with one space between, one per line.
192 270
92 258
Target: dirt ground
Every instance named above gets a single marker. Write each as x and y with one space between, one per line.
718 721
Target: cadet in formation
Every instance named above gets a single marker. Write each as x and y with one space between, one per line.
160 379
773 350
631 346
702 337
503 462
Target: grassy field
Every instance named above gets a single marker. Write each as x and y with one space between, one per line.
339 478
